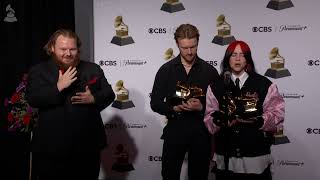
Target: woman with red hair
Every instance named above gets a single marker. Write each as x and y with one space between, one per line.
243 116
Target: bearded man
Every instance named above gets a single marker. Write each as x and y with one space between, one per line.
69 94
186 131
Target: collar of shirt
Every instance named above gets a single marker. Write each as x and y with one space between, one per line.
178 62
243 77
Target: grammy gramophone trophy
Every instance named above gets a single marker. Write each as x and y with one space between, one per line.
10 14
236 105
224 36
122 33
172 6
241 108
280 138
122 97
168 55
277 69
279 4
184 92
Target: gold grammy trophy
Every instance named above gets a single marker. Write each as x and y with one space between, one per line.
224 36
243 108
122 100
277 69
172 6
168 55
279 4
280 138
122 33
184 92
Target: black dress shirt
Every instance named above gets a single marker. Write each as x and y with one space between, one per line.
201 75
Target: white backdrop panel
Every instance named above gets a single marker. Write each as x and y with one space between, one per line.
138 129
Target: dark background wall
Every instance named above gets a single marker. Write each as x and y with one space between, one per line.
21 45
84 27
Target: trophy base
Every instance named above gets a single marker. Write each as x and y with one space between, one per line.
223 40
281 140
123 104
277 73
121 41
171 8
276 5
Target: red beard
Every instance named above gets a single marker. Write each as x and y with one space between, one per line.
64 66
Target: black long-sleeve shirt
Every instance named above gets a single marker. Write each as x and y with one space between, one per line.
201 75
62 125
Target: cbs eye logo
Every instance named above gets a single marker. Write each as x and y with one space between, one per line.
155 158
157 30
107 63
262 29
313 131
314 62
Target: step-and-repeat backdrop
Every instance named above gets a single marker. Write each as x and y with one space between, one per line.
132 39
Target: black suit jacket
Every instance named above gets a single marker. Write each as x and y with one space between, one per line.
62 126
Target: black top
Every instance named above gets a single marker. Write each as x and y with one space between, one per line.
201 75
247 139
64 126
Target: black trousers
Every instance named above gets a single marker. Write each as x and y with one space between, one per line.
179 139
14 156
265 175
53 166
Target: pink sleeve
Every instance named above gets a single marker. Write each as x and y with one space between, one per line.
273 110
211 106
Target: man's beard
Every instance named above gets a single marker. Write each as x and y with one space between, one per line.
64 66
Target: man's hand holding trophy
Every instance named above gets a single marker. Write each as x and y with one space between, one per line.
187 98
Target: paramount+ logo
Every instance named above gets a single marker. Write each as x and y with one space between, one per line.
292 95
290 163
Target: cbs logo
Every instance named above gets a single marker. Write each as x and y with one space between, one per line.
107 63
314 62
212 63
313 131
262 29
157 30
155 158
